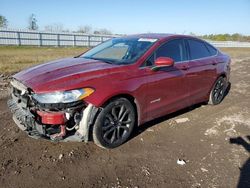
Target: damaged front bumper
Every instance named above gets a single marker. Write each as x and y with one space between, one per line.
70 122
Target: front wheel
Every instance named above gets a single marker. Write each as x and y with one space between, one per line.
114 124
218 91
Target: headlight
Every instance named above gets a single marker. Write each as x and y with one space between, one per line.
63 97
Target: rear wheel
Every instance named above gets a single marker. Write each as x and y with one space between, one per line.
218 91
114 123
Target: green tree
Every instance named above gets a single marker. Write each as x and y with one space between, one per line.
227 37
3 22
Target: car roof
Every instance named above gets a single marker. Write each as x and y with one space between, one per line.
159 36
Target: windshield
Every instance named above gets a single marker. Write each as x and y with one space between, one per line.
120 50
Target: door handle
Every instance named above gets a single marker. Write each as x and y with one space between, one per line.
184 68
215 63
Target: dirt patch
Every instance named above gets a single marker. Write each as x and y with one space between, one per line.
199 136
4 85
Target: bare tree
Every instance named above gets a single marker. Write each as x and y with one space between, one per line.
85 29
3 22
103 31
33 22
97 32
192 34
55 27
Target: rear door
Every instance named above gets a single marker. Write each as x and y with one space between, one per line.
166 89
202 70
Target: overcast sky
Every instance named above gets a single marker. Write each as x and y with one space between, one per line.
134 16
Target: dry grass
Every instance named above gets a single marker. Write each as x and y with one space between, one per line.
237 53
14 59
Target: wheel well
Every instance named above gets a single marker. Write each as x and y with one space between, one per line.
223 75
131 99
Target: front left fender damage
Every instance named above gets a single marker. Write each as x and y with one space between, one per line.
88 117
57 122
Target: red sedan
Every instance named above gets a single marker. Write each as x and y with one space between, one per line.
122 83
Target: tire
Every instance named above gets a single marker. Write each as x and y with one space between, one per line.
217 93
114 124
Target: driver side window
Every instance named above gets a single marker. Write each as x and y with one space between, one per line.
174 49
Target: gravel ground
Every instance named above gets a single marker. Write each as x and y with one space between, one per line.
202 146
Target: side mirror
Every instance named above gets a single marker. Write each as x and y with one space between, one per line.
163 62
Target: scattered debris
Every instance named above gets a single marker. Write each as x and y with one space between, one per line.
181 162
118 181
71 153
150 130
60 156
6 163
171 122
17 172
211 131
204 170
182 120
196 185
227 124
145 170
14 139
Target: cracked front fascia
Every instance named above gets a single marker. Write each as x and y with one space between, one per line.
87 119
19 86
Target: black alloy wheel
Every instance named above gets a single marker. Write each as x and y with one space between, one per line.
114 124
218 91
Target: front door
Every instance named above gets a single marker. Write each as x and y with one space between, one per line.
167 89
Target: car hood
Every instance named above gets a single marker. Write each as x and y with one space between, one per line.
63 74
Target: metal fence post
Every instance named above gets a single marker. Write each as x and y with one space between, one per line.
18 39
40 39
58 40
89 41
74 42
102 39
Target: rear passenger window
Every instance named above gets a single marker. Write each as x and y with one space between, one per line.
174 49
197 49
212 50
